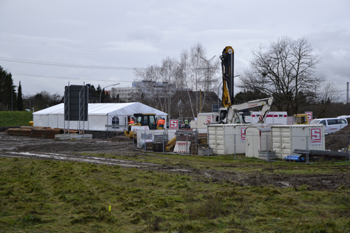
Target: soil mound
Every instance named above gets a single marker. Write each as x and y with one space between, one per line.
338 140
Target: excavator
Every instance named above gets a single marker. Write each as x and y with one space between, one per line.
232 115
229 113
142 121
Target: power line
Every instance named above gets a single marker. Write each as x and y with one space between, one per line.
60 45
56 77
65 64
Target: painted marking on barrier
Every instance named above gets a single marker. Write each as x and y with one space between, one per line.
182 147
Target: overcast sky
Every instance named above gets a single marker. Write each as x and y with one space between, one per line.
135 34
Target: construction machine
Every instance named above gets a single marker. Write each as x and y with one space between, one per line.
301 119
143 121
232 115
227 66
229 113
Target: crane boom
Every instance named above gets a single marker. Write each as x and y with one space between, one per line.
227 66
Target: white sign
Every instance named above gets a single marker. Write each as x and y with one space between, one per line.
243 133
309 116
173 124
316 138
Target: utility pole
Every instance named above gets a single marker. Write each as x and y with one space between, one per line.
207 79
347 92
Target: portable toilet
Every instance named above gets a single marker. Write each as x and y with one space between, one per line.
287 138
226 139
258 138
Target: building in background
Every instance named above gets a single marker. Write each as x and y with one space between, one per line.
151 89
142 90
126 94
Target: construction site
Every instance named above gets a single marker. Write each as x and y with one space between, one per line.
85 167
263 134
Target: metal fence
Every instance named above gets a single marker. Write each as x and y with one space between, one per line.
266 146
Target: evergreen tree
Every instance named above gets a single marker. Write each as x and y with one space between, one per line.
98 92
103 96
6 87
19 98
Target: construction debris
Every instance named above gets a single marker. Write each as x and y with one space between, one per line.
338 140
315 155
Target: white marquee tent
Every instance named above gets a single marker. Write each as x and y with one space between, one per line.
100 116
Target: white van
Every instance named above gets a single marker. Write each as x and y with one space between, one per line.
331 125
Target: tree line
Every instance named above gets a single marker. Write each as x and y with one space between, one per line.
9 99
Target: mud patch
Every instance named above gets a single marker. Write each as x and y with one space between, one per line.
119 148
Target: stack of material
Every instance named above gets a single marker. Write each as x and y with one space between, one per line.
38 132
158 146
149 146
160 142
18 131
184 138
202 141
45 133
194 148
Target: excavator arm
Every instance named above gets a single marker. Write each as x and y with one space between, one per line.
265 110
233 115
229 113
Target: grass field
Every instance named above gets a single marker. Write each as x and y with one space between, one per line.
54 196
15 118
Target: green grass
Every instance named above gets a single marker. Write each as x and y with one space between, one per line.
15 118
53 196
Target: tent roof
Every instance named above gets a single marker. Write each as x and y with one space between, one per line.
122 109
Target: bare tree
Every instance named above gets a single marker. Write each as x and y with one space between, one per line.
197 63
192 71
183 72
327 92
285 70
202 72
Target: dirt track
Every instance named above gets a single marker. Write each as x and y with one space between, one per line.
121 147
